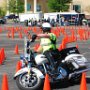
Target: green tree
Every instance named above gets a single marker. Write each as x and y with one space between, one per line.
59 5
2 12
20 6
16 6
12 6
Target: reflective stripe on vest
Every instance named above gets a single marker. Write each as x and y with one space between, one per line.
47 44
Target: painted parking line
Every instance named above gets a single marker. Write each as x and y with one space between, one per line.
85 53
13 58
87 76
12 51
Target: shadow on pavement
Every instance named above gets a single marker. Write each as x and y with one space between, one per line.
61 85
88 80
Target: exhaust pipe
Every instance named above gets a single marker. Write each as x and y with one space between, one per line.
78 72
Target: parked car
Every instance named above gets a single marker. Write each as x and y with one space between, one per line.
2 20
88 22
12 16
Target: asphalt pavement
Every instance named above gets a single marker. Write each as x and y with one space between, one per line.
9 65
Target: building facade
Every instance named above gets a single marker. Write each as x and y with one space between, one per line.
33 6
2 3
81 6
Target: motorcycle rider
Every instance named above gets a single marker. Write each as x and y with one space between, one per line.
47 43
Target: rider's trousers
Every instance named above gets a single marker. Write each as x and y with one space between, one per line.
49 57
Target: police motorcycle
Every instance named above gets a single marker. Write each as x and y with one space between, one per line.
69 66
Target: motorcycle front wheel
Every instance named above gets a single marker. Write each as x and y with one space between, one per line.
31 82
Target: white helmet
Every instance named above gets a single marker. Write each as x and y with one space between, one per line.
46 27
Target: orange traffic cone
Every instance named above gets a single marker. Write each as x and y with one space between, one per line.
20 35
0 58
36 47
60 47
0 29
3 53
8 35
16 49
5 83
83 85
18 66
13 33
63 44
77 46
46 83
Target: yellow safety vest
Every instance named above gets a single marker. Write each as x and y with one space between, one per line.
47 43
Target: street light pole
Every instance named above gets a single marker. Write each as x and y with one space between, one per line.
16 7
60 5
7 7
35 6
25 5
59 13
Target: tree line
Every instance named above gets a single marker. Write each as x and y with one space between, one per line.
17 6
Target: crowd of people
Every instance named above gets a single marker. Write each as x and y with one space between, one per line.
58 22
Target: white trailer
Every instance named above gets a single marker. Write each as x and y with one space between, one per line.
54 15
57 16
50 15
27 16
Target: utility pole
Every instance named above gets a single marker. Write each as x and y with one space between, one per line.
16 6
59 14
7 8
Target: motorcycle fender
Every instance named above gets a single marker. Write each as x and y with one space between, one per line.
24 70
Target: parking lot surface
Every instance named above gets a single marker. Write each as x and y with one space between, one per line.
9 65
